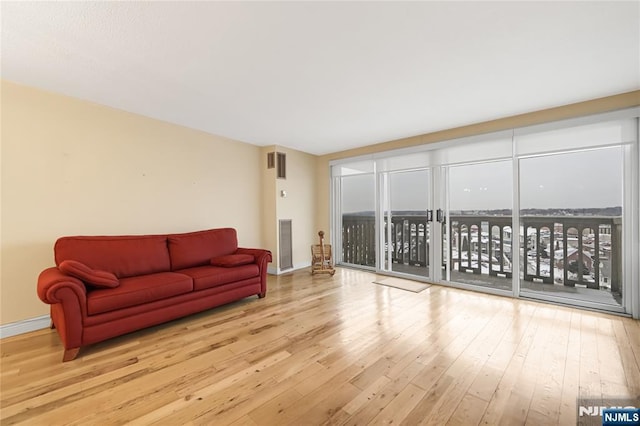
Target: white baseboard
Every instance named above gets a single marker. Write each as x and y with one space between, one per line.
271 270
24 326
302 265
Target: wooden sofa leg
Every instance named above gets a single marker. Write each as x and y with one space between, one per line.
52 325
261 295
70 354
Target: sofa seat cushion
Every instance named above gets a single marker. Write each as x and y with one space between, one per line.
213 276
137 291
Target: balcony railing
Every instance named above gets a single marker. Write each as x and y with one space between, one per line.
359 240
567 250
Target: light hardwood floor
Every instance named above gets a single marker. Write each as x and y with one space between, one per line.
334 350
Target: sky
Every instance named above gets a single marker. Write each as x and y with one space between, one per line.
585 179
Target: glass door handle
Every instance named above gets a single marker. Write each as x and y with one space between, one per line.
429 215
440 216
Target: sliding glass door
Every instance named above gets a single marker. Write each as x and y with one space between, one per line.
354 218
358 220
407 219
547 212
480 231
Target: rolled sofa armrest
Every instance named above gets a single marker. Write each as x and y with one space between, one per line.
68 299
263 257
51 281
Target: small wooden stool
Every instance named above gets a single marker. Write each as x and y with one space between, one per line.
321 257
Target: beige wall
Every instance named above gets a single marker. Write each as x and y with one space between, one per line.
269 216
71 167
299 205
610 103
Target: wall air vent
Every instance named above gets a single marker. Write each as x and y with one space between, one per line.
282 165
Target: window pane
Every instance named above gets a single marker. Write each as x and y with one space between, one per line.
407 217
571 225
358 219
480 200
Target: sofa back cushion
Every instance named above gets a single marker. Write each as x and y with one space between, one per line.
198 248
124 256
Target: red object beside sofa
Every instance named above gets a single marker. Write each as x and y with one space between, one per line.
106 286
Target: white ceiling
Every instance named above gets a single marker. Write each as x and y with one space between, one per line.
324 77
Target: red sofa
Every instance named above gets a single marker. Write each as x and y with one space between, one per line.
107 286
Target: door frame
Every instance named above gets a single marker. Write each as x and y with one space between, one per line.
383 191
